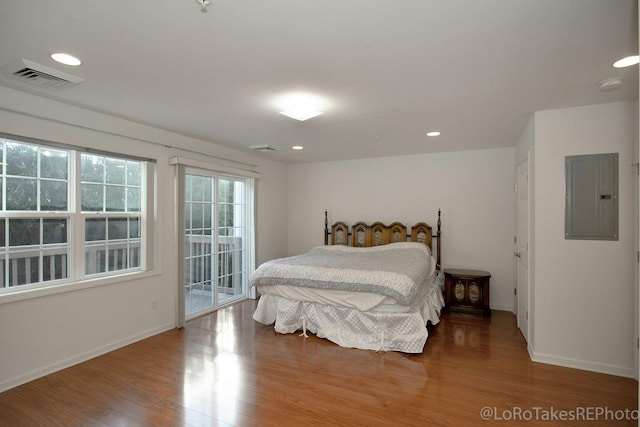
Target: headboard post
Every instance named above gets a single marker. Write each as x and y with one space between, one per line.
326 228
439 242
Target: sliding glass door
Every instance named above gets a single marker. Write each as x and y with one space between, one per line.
216 231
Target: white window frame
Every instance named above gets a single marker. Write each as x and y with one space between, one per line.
77 279
79 256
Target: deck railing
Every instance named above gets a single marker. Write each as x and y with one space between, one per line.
199 265
24 266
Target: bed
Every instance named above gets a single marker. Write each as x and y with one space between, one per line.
374 287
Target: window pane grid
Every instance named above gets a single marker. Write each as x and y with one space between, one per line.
110 185
35 179
112 244
37 250
39 194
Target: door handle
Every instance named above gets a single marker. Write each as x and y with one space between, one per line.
517 254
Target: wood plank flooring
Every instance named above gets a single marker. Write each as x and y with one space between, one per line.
225 369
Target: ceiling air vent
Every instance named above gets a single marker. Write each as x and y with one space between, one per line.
39 75
265 148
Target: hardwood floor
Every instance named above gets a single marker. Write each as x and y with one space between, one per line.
225 369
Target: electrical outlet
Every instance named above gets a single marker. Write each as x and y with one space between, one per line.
154 305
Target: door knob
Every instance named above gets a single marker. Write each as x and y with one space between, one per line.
517 254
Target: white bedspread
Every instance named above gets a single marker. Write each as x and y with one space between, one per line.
396 270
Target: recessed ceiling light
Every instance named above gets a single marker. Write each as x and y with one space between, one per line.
626 62
300 105
297 147
434 133
66 59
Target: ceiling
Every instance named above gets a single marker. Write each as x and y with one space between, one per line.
390 70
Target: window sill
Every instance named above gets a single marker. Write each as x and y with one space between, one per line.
75 286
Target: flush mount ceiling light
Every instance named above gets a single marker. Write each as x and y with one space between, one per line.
301 114
297 147
301 106
66 59
626 62
433 133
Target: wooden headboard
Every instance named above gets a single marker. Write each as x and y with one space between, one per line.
364 235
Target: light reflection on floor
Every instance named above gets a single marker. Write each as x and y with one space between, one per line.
213 385
196 300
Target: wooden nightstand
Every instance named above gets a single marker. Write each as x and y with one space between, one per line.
466 292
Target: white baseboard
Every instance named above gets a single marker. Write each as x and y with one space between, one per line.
502 307
603 368
66 363
530 351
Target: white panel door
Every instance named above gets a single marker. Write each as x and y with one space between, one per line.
522 249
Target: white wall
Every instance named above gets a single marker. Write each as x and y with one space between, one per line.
474 189
271 212
584 305
41 335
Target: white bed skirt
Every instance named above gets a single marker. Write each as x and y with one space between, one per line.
370 330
